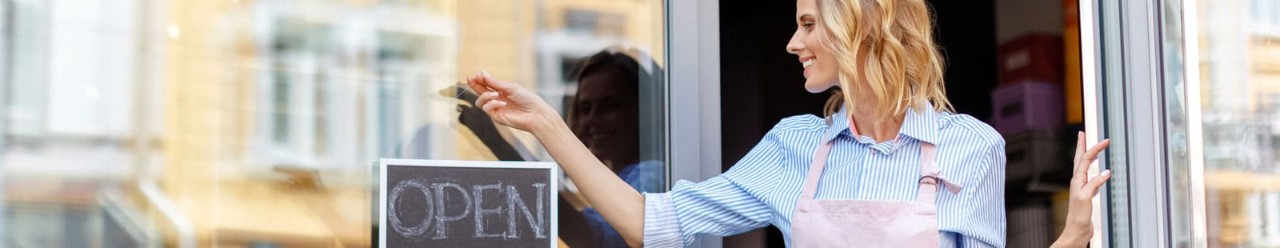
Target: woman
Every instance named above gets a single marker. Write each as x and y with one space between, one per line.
605 116
890 166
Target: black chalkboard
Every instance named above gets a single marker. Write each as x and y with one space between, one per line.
438 203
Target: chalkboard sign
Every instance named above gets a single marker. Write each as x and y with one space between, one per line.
437 203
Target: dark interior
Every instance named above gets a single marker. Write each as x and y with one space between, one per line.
761 83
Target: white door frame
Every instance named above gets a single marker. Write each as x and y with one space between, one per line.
693 103
1125 76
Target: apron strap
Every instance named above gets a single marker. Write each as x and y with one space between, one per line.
815 170
931 175
819 163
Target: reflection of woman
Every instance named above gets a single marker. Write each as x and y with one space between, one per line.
890 165
605 116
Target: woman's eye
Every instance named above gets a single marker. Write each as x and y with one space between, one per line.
808 26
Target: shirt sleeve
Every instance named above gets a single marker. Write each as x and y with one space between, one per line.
720 206
985 202
660 226
967 242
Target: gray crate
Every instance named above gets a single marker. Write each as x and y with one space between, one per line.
1037 161
1030 225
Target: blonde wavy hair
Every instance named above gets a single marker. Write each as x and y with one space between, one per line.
902 64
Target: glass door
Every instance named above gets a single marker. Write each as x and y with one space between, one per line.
1128 102
1189 91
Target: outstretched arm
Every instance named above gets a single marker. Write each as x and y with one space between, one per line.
512 105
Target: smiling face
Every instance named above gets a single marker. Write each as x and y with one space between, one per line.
606 116
821 70
881 54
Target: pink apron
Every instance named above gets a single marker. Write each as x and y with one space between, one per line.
867 223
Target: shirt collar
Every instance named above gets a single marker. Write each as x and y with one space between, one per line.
922 126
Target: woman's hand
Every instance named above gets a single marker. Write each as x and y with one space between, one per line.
511 105
1079 225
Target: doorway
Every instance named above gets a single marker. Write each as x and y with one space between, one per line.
761 84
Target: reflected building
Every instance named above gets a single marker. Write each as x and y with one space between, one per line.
249 122
69 139
1240 80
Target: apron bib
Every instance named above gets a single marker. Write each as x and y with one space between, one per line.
867 223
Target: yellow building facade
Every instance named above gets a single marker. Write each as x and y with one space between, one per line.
240 177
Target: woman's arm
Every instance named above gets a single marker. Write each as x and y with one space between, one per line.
511 105
1079 226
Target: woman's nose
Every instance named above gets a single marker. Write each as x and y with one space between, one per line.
795 46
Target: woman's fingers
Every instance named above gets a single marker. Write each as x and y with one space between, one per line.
474 83
1093 152
483 83
1079 152
486 98
500 86
492 106
1082 170
1096 182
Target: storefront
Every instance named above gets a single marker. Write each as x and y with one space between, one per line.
259 123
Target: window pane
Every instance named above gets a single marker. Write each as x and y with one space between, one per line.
260 122
1239 102
1174 88
1119 189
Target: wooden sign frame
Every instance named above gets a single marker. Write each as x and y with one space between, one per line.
552 174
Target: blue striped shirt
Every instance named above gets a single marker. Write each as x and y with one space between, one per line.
762 188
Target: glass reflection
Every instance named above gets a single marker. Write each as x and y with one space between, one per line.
1239 79
606 116
259 122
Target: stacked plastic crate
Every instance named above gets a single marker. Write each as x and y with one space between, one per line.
1038 108
1028 110
1028 219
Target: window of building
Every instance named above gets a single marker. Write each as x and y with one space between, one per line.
210 122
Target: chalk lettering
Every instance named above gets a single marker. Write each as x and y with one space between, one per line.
439 194
430 203
441 217
414 232
480 212
513 199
